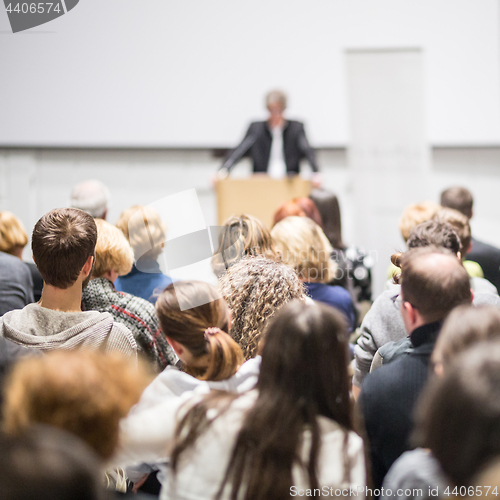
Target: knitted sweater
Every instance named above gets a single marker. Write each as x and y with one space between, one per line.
42 328
137 314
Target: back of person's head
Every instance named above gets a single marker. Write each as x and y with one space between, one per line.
62 241
48 464
255 289
92 197
83 392
304 246
432 232
328 206
303 376
458 416
276 97
144 229
300 207
13 237
465 325
458 198
112 251
239 237
415 214
200 328
434 282
461 225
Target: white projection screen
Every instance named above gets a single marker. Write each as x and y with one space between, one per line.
193 73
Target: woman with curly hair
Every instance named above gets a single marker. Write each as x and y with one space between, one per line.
241 236
255 289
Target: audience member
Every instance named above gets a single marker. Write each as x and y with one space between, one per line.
417 471
48 464
354 265
92 197
63 245
487 256
299 207
209 358
114 257
433 283
293 432
461 225
16 283
416 214
458 418
144 229
255 289
304 246
85 393
384 323
239 237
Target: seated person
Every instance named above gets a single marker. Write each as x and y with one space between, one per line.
82 392
300 412
433 283
487 256
304 246
93 197
383 323
255 289
143 228
63 245
16 281
113 258
239 237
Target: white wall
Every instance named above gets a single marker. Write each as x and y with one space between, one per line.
34 181
193 73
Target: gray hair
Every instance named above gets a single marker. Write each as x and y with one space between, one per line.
276 96
92 197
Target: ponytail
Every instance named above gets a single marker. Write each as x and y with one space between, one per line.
224 355
396 261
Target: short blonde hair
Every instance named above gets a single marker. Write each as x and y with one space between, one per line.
83 392
12 233
276 96
112 251
144 229
304 246
416 214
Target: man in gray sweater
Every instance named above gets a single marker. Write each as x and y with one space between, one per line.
63 245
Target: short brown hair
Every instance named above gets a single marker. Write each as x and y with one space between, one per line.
434 282
300 207
460 224
459 199
83 392
416 214
62 241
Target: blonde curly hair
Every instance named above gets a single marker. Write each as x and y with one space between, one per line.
255 289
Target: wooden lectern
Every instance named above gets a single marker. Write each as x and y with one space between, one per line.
258 195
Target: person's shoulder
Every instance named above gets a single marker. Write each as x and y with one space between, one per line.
385 378
482 247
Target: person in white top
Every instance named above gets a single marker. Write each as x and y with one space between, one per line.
291 434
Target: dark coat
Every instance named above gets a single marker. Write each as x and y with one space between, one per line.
257 145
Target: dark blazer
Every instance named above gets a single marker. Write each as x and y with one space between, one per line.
257 145
488 257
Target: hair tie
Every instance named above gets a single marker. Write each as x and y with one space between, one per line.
211 331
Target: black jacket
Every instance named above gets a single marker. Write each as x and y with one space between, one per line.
488 257
388 397
257 145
